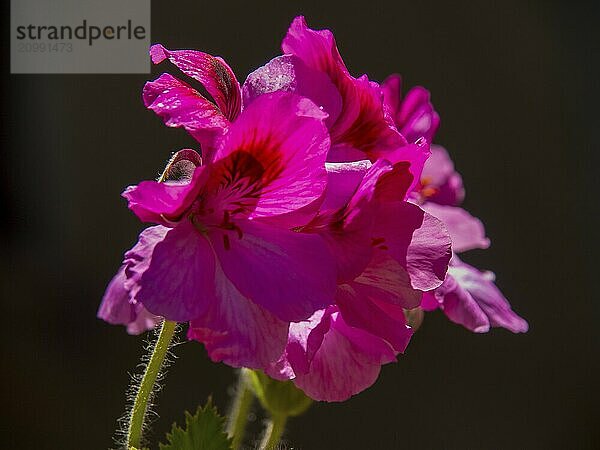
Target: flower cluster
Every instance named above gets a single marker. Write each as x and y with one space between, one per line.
315 219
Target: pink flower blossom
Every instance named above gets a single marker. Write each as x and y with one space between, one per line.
359 124
468 296
388 252
216 259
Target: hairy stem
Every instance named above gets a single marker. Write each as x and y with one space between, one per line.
140 404
273 432
238 417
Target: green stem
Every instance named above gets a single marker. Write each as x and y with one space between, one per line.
242 402
140 404
273 432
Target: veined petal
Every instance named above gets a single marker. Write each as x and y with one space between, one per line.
288 73
237 331
213 72
289 274
362 311
173 277
417 240
348 229
180 105
385 280
117 309
481 287
274 155
466 231
362 123
460 307
347 361
304 340
343 179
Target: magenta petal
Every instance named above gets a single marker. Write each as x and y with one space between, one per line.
347 362
385 280
362 123
440 182
343 180
285 136
460 307
288 73
237 331
417 240
348 230
482 289
416 117
173 277
304 340
180 105
117 309
438 167
165 202
213 72
416 155
289 274
391 89
466 231
360 311
414 114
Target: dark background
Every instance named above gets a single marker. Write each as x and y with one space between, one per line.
516 84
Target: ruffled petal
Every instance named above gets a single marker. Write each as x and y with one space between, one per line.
213 72
343 180
439 182
481 287
288 73
416 117
460 307
180 105
362 123
172 276
237 331
362 311
164 202
347 361
467 232
304 340
289 274
117 309
414 114
274 155
385 280
415 239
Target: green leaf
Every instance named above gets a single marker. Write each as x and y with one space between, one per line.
205 430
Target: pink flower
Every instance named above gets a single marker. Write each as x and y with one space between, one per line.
468 296
224 256
118 308
180 105
414 114
388 252
358 122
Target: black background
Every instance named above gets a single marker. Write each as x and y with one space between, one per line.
516 85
